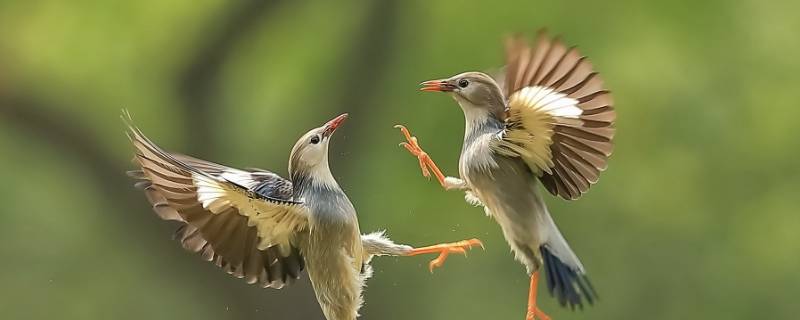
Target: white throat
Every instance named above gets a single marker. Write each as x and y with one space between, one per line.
321 174
474 116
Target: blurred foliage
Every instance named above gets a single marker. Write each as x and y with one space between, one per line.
696 217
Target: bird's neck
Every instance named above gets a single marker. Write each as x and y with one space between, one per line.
333 217
479 120
313 179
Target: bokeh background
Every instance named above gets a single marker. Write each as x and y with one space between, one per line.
696 217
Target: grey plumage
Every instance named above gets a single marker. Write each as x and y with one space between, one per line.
259 226
509 192
547 120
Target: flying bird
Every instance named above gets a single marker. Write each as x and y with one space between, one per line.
266 229
548 119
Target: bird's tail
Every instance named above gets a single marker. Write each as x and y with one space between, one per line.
566 277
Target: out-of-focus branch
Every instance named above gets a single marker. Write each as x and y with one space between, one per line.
61 132
197 84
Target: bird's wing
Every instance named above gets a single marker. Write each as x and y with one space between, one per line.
560 118
243 221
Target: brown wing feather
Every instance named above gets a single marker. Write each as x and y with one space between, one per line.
580 145
225 238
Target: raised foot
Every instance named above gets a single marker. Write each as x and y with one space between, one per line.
426 164
444 250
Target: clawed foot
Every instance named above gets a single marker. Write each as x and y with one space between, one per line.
536 315
445 249
426 164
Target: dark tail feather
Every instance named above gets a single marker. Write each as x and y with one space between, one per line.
568 285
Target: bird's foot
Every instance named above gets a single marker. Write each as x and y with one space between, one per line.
536 314
444 249
426 164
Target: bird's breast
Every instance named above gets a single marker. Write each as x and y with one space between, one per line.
333 226
329 208
477 157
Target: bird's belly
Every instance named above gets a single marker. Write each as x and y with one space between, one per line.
335 274
337 285
511 197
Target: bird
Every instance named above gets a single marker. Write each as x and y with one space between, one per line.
266 229
547 119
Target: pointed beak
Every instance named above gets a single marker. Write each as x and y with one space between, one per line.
441 85
331 126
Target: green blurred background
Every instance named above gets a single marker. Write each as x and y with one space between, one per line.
696 217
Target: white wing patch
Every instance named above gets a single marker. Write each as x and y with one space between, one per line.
211 194
547 100
532 114
275 222
242 178
559 117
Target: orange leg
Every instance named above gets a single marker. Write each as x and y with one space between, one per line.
425 162
444 249
533 311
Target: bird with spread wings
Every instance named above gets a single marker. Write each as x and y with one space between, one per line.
547 119
266 229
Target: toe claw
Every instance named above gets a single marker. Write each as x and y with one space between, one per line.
435 263
474 243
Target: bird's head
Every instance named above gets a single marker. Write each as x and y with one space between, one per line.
309 157
476 92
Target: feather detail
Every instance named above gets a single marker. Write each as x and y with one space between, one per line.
243 222
559 117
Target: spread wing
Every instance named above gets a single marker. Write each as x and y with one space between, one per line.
560 118
243 221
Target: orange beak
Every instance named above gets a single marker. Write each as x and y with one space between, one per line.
331 126
441 85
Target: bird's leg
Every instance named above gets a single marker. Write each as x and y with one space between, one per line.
533 311
426 164
444 249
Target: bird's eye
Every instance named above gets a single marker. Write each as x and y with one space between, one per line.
314 139
463 83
